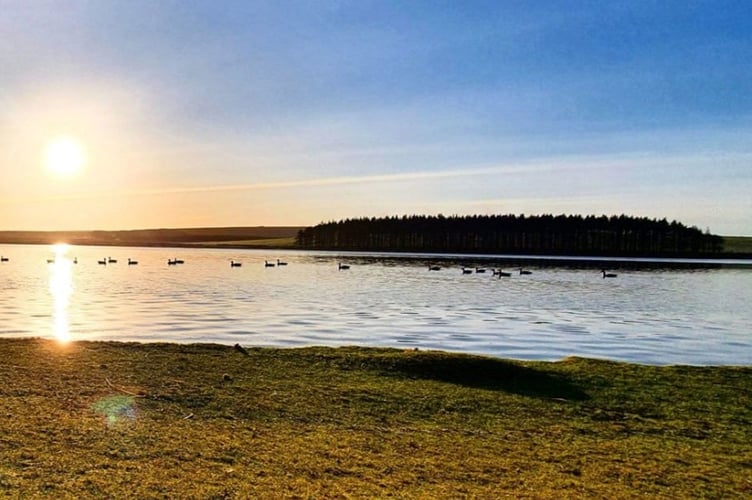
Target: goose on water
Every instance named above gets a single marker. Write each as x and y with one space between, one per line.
235 264
500 273
132 262
3 259
608 275
102 262
480 270
268 264
110 260
466 271
434 268
280 263
343 267
525 271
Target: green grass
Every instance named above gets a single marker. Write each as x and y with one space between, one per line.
94 420
256 243
737 244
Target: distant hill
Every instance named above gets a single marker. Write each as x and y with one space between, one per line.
207 236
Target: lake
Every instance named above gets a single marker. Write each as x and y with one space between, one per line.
665 312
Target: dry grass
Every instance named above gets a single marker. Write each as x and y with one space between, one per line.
94 420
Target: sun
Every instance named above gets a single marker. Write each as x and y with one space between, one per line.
64 156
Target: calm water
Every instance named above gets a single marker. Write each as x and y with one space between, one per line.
646 314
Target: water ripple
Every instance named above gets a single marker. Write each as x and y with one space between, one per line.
649 316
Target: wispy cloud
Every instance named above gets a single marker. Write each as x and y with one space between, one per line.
541 166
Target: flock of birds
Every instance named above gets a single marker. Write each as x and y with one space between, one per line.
500 273
170 262
494 272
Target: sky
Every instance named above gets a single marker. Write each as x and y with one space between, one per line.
245 113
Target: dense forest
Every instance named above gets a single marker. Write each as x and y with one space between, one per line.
520 234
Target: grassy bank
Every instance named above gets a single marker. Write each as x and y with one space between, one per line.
245 237
276 243
737 244
206 421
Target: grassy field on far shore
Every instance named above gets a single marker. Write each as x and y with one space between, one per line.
737 244
263 236
114 420
256 243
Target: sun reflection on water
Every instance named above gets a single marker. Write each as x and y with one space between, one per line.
61 288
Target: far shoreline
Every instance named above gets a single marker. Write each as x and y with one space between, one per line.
285 238
690 259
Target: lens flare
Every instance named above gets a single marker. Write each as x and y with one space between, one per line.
116 408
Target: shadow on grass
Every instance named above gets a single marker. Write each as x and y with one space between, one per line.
478 372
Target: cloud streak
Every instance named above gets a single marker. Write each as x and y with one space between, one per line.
542 166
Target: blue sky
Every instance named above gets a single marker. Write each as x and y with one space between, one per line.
291 113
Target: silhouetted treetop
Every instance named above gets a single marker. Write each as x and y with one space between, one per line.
537 234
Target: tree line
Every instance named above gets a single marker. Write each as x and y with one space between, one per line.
537 234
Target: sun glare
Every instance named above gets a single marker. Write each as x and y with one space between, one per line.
61 288
64 156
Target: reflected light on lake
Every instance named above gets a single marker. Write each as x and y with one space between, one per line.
648 314
61 288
